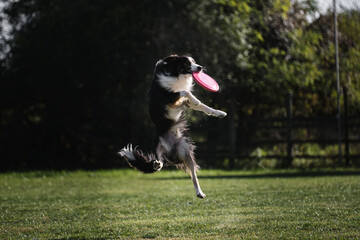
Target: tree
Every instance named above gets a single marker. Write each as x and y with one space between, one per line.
75 75
75 87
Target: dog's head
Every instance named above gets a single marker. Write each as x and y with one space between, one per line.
174 72
175 65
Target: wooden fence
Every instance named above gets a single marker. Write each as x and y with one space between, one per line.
287 134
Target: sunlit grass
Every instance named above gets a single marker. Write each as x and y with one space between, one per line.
123 204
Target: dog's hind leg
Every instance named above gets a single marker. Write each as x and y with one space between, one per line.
185 151
192 168
194 178
159 162
164 146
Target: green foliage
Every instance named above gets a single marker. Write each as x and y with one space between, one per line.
128 205
75 76
348 54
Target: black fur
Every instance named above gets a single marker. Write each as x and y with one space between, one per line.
160 100
169 95
143 162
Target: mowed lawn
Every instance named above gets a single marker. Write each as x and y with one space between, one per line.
124 204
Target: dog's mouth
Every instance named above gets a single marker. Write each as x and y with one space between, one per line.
196 67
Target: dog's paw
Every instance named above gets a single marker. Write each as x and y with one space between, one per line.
200 195
157 165
219 114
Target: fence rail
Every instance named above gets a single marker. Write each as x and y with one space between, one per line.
288 131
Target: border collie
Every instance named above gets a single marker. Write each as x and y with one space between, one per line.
169 95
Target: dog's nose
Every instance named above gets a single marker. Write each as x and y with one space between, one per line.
199 68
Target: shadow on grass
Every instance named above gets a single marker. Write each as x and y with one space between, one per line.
273 175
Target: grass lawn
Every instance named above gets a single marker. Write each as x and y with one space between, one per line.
124 204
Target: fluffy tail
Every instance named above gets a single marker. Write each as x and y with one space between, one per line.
145 163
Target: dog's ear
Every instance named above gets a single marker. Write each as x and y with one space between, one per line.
163 66
168 65
159 62
166 68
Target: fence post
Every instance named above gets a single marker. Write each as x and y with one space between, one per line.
232 135
346 126
289 118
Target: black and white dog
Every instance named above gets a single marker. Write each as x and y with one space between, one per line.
169 95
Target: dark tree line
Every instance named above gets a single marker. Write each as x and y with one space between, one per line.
74 74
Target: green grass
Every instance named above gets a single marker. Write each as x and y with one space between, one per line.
124 204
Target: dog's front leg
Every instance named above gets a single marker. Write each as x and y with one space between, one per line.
208 110
192 99
196 104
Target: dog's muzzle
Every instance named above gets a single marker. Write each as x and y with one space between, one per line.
196 67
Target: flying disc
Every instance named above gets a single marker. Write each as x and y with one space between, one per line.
205 81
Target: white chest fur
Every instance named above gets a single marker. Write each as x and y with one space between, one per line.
183 82
173 113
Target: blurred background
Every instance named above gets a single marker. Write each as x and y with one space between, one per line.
75 75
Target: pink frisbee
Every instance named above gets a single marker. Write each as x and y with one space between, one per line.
205 81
